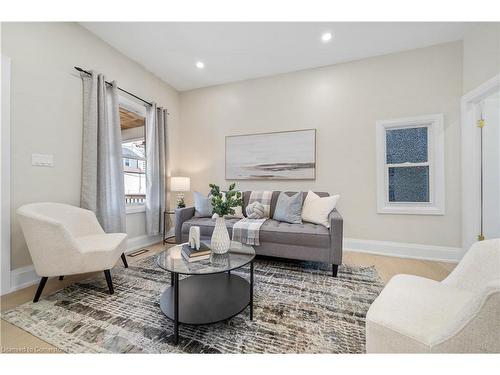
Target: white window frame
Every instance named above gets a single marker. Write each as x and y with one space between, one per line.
435 134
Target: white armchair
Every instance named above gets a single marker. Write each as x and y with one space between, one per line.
459 314
66 240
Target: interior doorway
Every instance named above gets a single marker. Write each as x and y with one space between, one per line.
5 285
490 109
481 163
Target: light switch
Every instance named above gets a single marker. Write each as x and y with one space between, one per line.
42 160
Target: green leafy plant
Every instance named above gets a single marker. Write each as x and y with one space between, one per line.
223 203
181 203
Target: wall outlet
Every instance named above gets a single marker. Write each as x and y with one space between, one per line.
42 160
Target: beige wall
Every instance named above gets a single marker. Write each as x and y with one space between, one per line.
481 54
46 117
342 102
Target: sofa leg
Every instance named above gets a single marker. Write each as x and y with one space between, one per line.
38 293
109 281
61 277
124 260
335 269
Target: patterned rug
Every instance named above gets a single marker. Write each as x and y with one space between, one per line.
298 308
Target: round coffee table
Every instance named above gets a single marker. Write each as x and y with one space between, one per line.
211 293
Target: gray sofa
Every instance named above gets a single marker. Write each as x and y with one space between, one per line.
305 241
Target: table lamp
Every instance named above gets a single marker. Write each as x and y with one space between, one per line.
180 185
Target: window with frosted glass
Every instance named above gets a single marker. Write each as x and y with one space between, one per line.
407 163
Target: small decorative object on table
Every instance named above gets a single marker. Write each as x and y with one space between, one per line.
223 204
194 237
192 255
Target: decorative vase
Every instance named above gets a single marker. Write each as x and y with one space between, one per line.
220 241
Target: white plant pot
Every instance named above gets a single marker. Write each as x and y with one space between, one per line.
220 242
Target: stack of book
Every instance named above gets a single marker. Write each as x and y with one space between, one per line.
193 255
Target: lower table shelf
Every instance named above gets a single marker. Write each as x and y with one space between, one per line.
206 299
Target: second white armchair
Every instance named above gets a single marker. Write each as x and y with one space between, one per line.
461 314
66 240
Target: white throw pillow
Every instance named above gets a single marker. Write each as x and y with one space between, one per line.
317 209
238 212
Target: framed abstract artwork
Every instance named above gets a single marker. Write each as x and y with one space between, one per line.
288 155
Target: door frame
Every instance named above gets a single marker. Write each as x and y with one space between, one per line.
5 175
471 203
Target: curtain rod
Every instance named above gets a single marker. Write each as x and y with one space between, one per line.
119 88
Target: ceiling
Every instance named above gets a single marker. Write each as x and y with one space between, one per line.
129 119
244 50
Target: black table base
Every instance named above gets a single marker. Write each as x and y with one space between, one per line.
206 299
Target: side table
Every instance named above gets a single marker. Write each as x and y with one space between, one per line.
165 238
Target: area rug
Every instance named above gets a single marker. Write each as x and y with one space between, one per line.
298 308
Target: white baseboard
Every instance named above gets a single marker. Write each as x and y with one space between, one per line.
405 250
23 277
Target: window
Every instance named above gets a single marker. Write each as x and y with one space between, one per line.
410 166
132 121
134 171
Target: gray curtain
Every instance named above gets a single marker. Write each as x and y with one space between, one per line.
156 167
102 166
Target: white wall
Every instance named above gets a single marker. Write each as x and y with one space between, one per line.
46 112
481 54
342 102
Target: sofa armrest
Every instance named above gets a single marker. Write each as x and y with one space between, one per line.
336 236
181 215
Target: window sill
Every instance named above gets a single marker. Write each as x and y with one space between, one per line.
411 210
134 209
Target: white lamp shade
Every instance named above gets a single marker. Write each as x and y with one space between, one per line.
180 184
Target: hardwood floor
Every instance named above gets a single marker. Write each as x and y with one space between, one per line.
15 340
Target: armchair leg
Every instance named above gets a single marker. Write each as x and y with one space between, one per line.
61 277
124 260
40 289
109 281
335 269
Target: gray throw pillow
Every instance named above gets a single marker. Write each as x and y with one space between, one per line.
255 210
202 205
289 209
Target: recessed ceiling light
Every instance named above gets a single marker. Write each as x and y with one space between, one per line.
200 64
326 37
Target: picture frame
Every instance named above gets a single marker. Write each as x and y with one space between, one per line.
281 155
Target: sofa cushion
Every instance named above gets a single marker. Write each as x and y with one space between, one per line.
289 208
274 198
255 210
272 231
206 225
305 234
202 205
317 209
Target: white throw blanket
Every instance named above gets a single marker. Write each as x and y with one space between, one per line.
247 230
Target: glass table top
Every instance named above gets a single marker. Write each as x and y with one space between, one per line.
238 255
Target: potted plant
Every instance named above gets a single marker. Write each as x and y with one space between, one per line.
223 204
